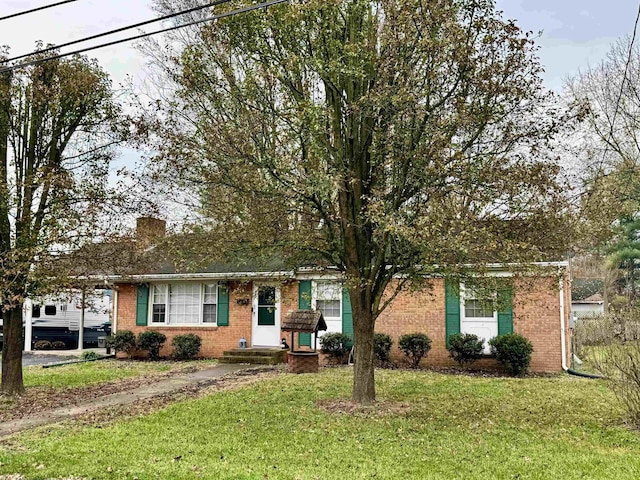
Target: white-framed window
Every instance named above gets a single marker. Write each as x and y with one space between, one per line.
183 304
478 315
327 297
159 304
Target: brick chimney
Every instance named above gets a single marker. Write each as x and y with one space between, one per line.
149 230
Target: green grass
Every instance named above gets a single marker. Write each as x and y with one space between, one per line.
431 426
91 373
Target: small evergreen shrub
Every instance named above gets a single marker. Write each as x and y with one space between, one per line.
90 356
58 345
382 347
513 351
186 347
415 346
43 345
123 341
336 346
152 342
465 348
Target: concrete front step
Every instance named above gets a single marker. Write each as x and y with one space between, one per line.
262 356
259 352
250 359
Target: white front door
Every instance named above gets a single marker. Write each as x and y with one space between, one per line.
266 316
478 317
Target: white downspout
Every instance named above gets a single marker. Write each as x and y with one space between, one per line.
563 346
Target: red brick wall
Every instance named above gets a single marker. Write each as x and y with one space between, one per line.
215 340
536 315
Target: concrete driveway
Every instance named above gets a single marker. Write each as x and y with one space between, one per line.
29 359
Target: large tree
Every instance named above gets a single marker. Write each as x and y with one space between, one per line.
56 134
390 139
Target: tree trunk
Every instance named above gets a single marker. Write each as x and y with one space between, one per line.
364 387
12 383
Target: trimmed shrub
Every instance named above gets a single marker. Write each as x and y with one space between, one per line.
186 347
336 346
58 345
123 341
382 347
415 346
465 348
513 351
90 356
43 345
152 342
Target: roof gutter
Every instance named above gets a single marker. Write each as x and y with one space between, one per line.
155 277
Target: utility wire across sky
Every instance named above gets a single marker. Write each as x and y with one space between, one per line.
37 9
121 29
144 35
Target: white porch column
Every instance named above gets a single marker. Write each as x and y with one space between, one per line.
27 317
81 329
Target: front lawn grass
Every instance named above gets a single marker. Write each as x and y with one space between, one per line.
49 388
92 373
429 426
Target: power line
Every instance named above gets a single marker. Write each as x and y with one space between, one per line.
37 9
144 35
122 29
621 92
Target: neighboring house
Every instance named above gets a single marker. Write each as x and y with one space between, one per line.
589 307
223 304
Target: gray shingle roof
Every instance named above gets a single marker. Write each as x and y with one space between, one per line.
305 321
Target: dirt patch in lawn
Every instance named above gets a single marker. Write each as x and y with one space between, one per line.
379 408
37 400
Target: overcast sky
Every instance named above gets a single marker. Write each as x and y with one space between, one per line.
575 33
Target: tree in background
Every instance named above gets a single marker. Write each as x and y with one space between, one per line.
390 139
57 126
624 254
608 97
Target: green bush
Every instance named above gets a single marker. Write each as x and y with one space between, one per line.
465 348
90 356
186 347
382 347
58 345
123 341
43 345
336 345
152 342
415 346
513 351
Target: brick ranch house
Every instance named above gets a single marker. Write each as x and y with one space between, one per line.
223 304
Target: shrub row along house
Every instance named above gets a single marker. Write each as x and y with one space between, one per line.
223 303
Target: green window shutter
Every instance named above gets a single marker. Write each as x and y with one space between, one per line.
347 315
304 303
505 315
452 308
223 305
142 305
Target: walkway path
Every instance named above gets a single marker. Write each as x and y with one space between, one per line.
169 385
